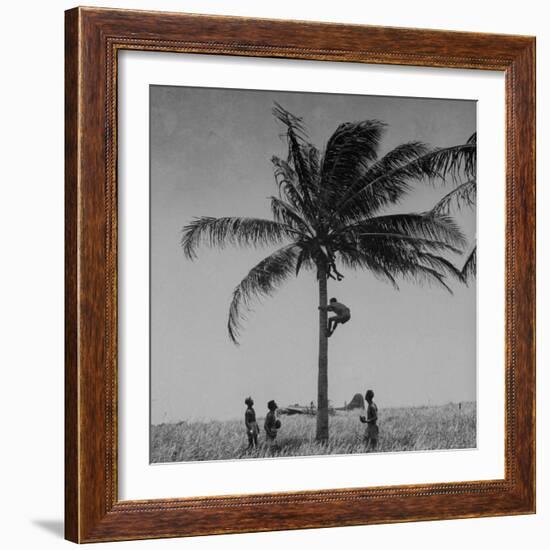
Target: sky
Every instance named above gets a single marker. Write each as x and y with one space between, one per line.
210 156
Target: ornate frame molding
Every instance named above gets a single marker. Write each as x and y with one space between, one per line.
93 39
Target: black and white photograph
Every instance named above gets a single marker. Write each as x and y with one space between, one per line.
312 274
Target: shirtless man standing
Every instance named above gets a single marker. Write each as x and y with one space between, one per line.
371 435
341 315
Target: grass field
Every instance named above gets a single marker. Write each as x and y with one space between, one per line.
401 429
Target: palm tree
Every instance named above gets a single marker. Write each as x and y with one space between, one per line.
329 213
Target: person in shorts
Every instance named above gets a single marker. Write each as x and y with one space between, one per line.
271 424
252 429
371 420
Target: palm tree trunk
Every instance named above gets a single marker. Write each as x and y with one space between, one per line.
322 381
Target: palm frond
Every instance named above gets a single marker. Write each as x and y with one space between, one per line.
303 256
455 160
434 164
219 232
470 266
431 225
402 245
418 243
349 152
300 153
293 123
440 264
312 160
428 275
383 184
463 195
287 214
298 146
262 280
357 258
291 190
450 161
390 262
396 158
287 182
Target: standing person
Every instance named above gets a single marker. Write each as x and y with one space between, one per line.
272 424
252 429
371 433
342 314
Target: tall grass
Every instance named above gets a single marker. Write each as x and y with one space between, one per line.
401 429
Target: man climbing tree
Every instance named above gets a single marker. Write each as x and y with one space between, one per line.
342 315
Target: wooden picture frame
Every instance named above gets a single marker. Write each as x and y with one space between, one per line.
93 511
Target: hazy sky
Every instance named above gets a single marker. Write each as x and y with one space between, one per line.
210 156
